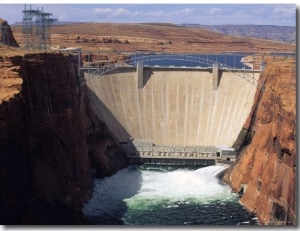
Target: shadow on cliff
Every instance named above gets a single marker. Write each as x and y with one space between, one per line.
108 205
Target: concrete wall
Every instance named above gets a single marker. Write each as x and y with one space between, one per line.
174 107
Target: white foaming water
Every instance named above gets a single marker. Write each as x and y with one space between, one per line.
183 184
142 189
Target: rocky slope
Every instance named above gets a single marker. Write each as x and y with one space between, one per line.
6 35
155 37
49 141
266 169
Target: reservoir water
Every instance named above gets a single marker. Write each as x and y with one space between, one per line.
165 195
233 60
230 60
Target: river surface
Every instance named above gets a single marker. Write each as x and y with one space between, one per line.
165 195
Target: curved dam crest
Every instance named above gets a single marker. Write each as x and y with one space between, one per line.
175 106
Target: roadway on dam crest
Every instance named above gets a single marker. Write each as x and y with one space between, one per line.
175 106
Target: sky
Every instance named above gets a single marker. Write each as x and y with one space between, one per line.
206 14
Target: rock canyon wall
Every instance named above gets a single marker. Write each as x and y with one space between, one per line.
49 141
266 169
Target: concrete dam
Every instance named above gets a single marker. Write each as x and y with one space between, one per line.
173 106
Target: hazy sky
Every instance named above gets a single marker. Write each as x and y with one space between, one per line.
262 14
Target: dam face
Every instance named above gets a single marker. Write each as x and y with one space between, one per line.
174 106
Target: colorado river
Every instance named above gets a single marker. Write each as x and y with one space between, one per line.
165 195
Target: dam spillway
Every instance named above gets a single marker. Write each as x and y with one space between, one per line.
174 106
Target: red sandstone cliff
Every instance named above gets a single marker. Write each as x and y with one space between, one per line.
6 35
49 140
266 167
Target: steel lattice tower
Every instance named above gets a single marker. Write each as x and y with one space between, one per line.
43 23
27 29
36 33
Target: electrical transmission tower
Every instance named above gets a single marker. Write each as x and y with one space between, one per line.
36 29
43 24
27 28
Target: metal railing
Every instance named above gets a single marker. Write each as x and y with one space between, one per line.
247 71
133 59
